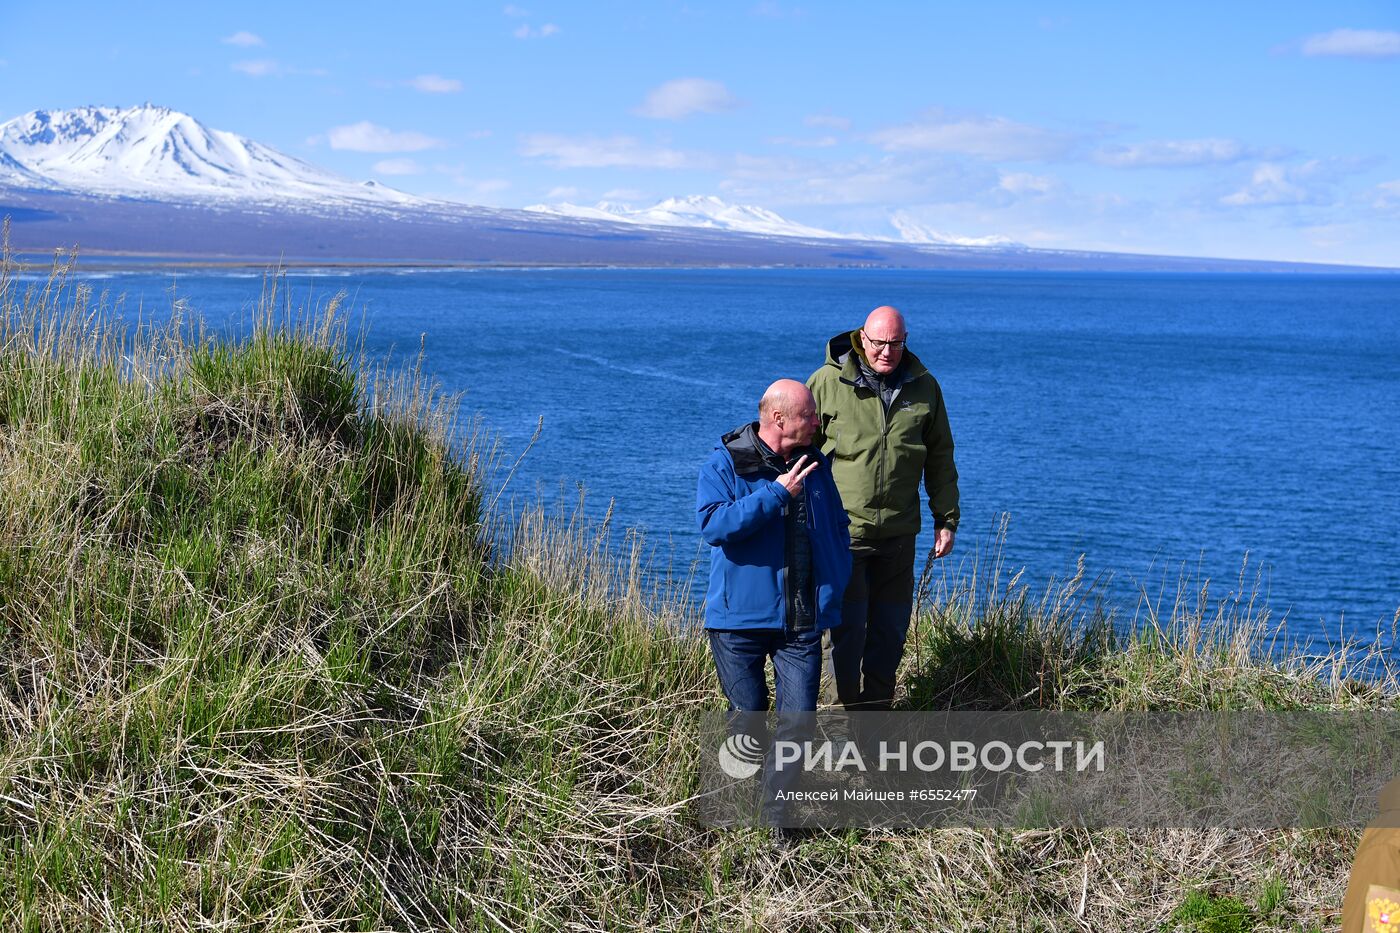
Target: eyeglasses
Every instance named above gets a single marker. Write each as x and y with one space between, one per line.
883 344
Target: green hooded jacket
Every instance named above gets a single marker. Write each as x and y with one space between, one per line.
878 459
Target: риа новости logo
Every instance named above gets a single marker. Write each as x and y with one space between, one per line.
740 756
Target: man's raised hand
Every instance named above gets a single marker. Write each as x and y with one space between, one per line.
793 478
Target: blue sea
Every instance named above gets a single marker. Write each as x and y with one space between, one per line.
1211 428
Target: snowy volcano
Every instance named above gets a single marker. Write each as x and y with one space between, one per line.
710 213
156 152
701 211
156 181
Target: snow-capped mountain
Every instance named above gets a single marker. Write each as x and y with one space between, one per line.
711 213
156 152
153 180
13 173
702 211
911 231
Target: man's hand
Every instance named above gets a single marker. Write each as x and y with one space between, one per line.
942 543
793 478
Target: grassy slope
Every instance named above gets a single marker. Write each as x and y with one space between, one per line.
267 662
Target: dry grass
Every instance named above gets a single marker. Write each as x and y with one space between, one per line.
271 658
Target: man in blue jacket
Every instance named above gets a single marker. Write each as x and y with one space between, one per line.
780 555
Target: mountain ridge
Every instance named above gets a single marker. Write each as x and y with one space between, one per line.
154 151
704 211
710 212
157 152
151 180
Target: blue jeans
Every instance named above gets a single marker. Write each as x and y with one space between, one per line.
864 651
741 658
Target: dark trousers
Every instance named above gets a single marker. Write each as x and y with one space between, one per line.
863 653
741 660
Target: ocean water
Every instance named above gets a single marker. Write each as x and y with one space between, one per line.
1216 426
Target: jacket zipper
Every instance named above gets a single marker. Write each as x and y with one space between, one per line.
783 577
884 448
790 624
885 411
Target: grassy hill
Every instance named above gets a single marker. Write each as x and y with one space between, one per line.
273 656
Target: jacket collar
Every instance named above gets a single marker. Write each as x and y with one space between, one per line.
751 455
843 352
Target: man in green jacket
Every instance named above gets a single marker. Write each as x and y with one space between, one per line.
885 431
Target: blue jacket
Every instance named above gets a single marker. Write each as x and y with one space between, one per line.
739 505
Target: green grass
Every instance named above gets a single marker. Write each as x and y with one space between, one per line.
1204 912
273 657
1207 913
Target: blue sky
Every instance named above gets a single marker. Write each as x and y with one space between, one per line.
1247 130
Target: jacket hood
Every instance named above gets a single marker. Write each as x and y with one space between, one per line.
839 347
750 455
843 351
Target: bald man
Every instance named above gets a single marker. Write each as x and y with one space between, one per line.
885 430
779 556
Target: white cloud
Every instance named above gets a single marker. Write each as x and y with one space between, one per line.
786 180
684 96
514 11
1387 195
596 152
527 31
563 191
822 142
467 188
1174 153
397 167
259 68
367 137
243 39
270 68
1315 182
1026 183
479 191
954 199
827 120
986 137
1330 236
435 84
1273 183
1354 43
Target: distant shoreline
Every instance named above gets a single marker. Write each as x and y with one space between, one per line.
103 262
121 261
195 235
